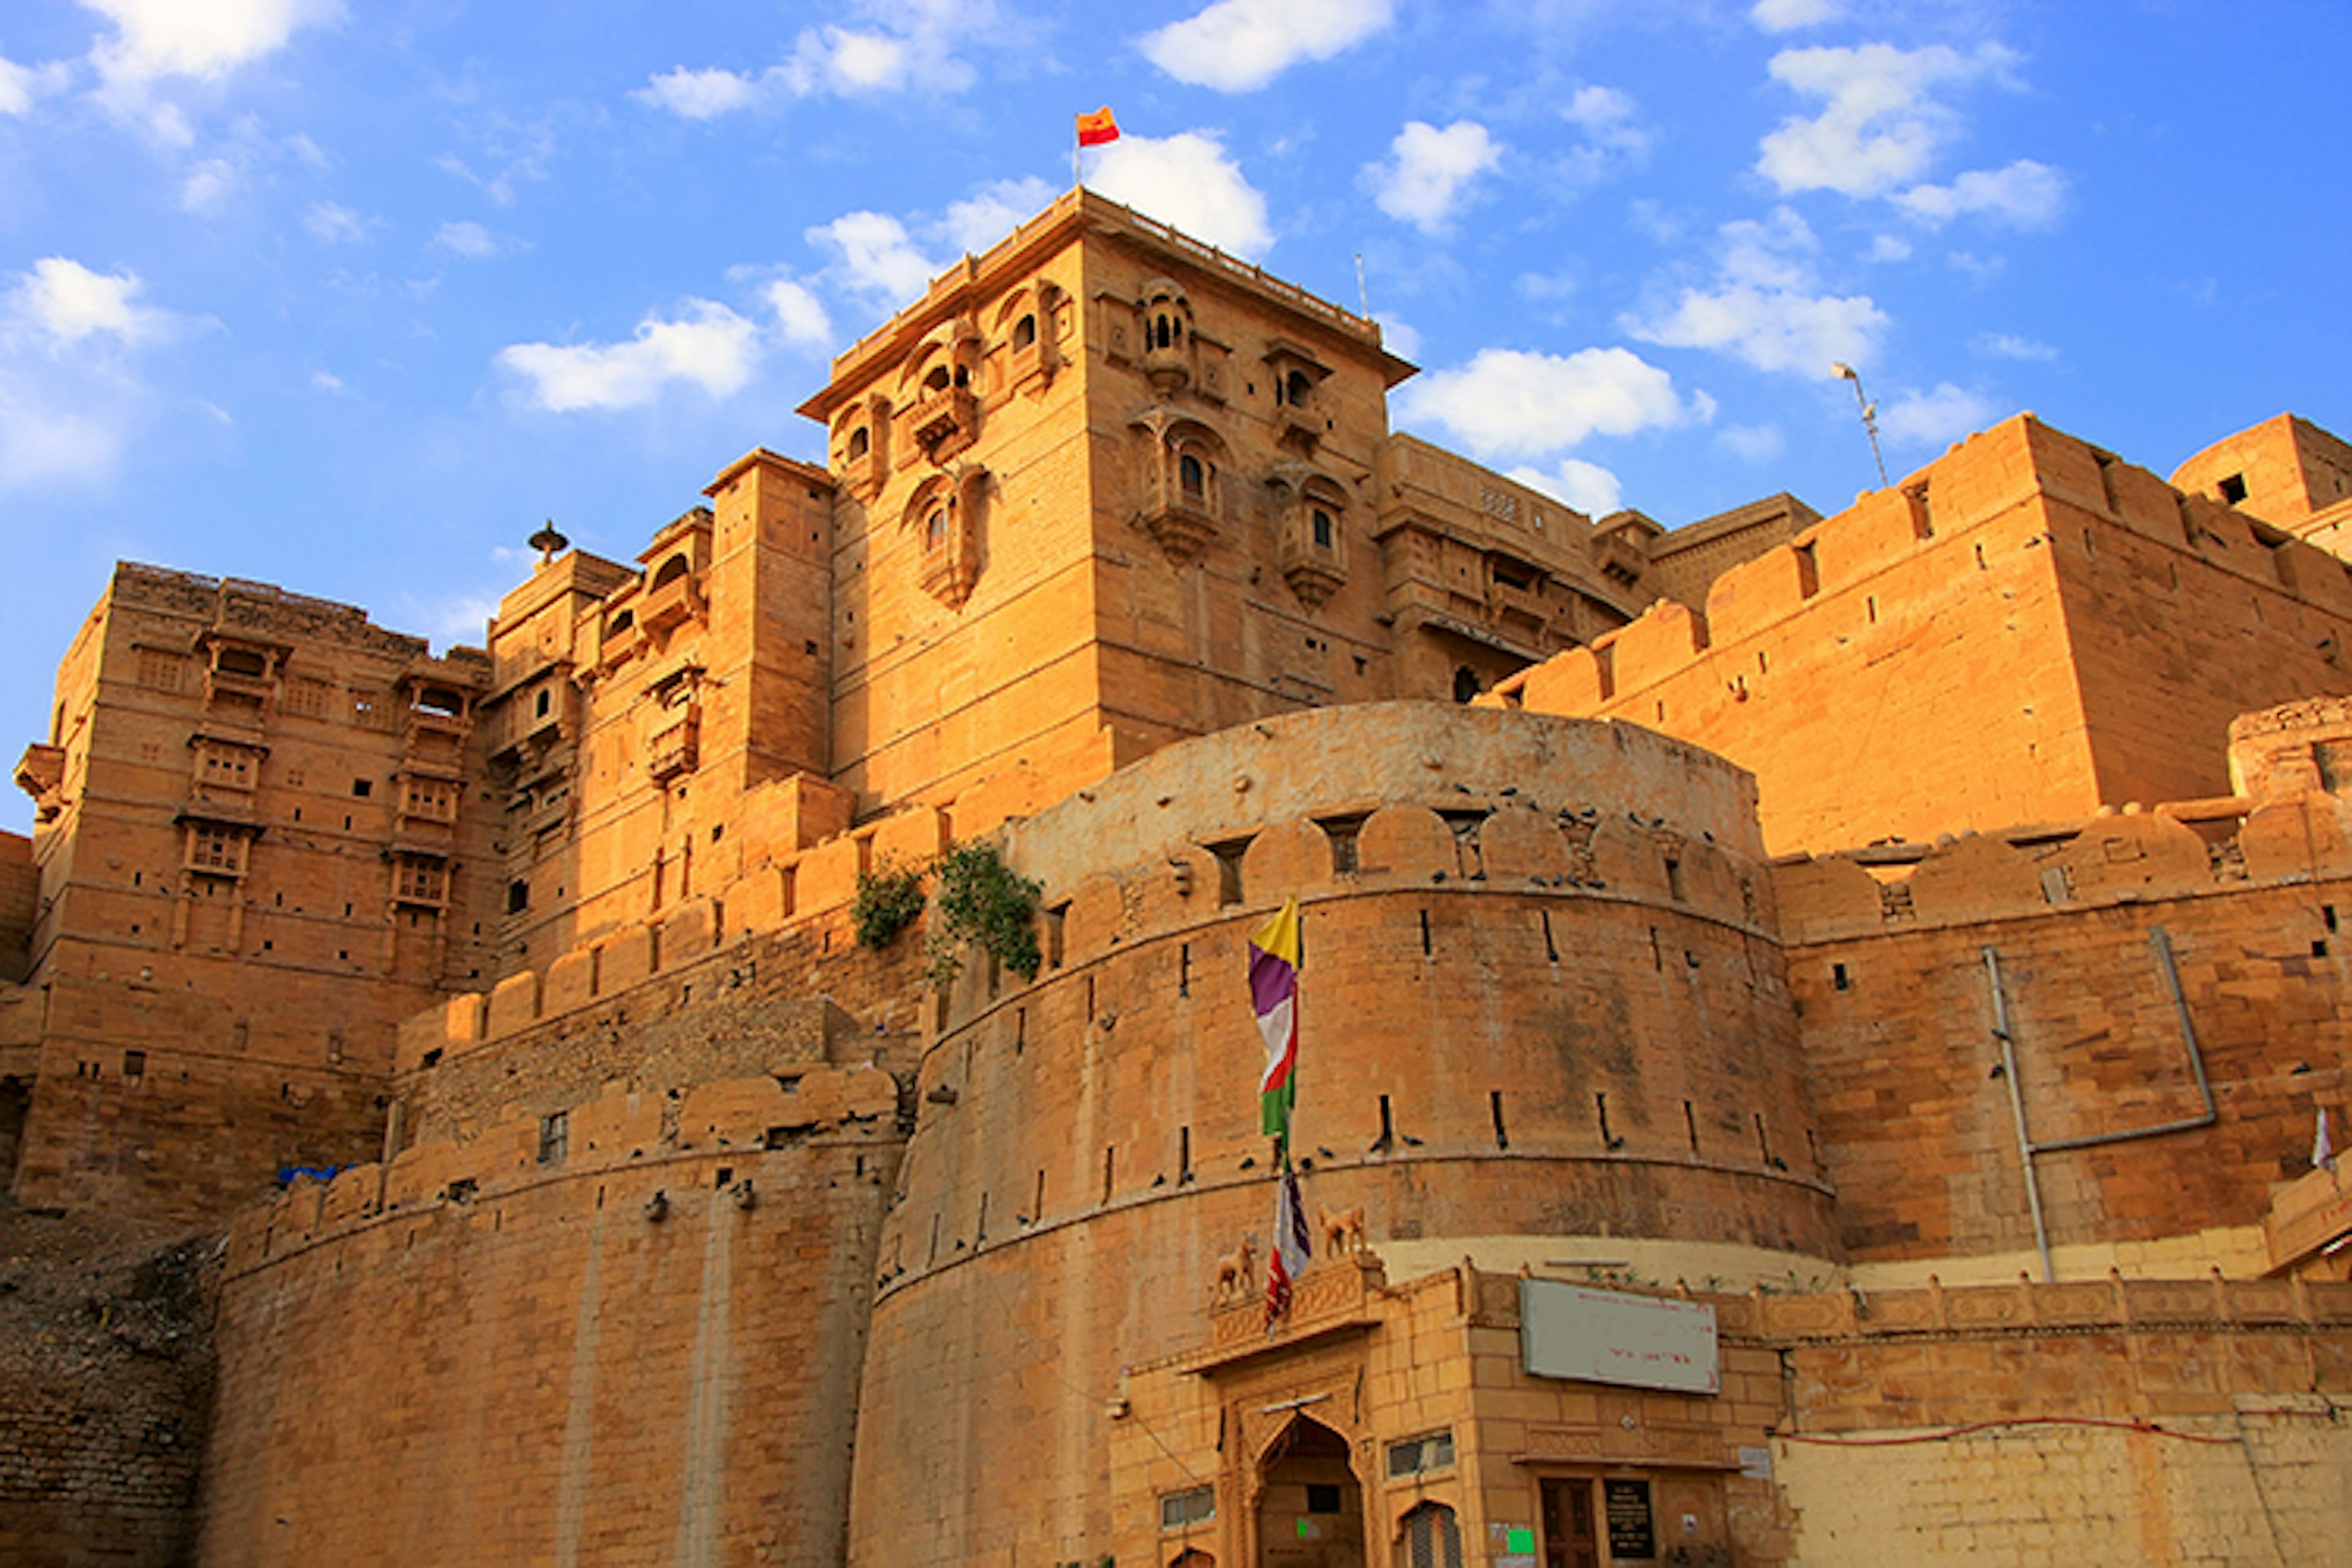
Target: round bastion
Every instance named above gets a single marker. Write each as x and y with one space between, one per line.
1543 1021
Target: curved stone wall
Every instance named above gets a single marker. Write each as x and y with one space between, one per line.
639 1346
1542 1008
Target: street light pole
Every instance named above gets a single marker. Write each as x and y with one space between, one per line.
1845 372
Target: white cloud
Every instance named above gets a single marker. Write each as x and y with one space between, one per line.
332 223
1764 307
707 345
66 303
327 382
1398 335
1881 123
977 221
41 446
1512 403
467 239
21 87
900 44
2025 195
209 185
16 86
800 317
1239 45
1889 247
700 94
2009 346
67 400
878 263
1431 168
199 37
1186 181
1606 117
1753 443
1786 15
1772 329
1588 487
1935 418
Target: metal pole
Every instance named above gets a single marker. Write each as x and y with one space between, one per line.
2017 1110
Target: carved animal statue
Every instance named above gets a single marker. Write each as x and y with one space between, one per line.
1343 1230
1235 1271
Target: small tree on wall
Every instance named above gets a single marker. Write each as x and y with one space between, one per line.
889 897
977 898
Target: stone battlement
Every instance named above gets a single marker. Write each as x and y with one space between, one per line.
2186 849
624 1128
1984 477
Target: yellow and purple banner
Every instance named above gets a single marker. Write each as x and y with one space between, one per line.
1273 996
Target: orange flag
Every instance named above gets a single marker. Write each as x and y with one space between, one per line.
1097 127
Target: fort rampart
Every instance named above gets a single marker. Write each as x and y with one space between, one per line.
1541 1002
2023 631
2173 1115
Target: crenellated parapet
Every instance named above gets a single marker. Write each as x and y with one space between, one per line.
1971 647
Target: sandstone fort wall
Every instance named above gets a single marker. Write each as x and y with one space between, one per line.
1634 1075
640 1344
2021 632
1887 966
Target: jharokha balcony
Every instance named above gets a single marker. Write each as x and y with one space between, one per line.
945 422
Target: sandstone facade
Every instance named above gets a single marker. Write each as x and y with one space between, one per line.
1807 925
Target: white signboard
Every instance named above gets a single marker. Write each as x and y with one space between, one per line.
1607 1336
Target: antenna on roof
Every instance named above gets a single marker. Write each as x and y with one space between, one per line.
1845 372
1362 298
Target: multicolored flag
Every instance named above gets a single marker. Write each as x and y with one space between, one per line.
1097 127
1274 994
1291 1246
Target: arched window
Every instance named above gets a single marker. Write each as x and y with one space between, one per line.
1024 333
1298 387
1325 535
937 380
935 528
1465 684
1161 337
1432 1538
861 441
671 571
1191 476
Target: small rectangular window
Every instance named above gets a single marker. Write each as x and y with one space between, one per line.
1179 1510
1433 1451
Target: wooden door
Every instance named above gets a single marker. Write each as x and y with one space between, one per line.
1571 1535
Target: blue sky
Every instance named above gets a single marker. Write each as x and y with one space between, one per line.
349 296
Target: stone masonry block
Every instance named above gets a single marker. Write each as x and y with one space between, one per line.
1290 857
916 837
514 1004
1977 877
691 932
1517 842
570 982
1407 844
625 959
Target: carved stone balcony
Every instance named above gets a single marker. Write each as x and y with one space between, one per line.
1181 524
671 604
41 773
676 747
1314 572
945 422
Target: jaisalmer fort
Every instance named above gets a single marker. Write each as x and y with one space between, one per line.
1817 1036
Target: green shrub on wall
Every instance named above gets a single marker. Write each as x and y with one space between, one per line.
977 898
889 897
